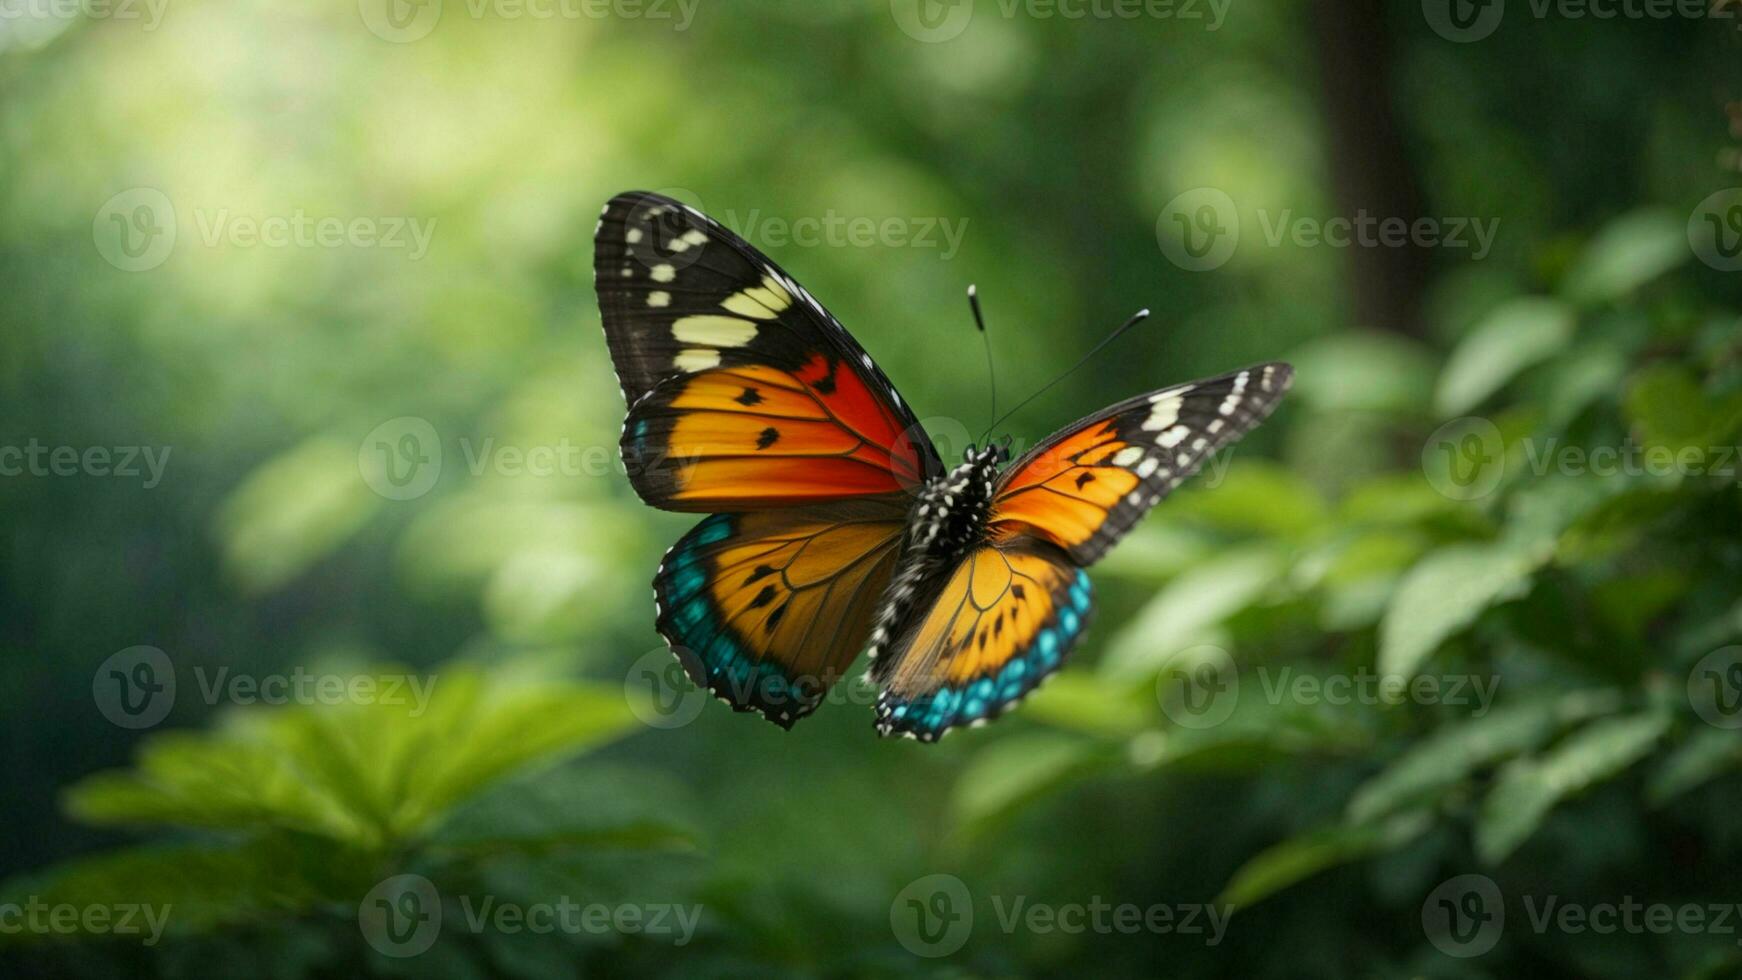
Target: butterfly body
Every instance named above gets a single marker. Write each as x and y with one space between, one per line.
948 518
834 527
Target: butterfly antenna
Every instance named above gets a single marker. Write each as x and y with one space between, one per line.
991 376
1136 318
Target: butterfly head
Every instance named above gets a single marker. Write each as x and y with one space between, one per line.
993 454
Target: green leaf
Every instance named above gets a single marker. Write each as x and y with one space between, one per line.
1299 858
1363 372
1199 599
1513 337
292 511
1708 753
1529 788
1456 750
1629 252
1011 772
1256 497
1088 703
193 888
591 806
1445 592
367 773
1671 410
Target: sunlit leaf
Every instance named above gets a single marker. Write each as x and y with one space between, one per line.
1514 336
1452 753
1529 788
1196 601
1444 593
1012 771
1299 858
1707 754
1627 253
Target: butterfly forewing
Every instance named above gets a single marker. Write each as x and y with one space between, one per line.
1084 487
744 393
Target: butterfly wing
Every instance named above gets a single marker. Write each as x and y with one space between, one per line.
743 392
1003 620
769 608
1008 614
1084 487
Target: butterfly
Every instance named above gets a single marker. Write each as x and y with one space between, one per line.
834 527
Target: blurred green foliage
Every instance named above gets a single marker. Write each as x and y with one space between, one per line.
1358 534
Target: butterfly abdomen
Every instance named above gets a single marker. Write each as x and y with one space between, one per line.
948 518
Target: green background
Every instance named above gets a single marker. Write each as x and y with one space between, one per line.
1334 544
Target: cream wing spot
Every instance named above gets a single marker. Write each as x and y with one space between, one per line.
1128 455
693 359
634 236
715 331
659 297
664 272
1163 413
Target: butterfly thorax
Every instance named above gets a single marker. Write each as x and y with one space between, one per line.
947 520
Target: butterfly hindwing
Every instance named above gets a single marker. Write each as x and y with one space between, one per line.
1083 488
744 393
1001 623
768 609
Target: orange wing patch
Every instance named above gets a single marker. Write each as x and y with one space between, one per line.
1065 493
1003 622
754 436
769 609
